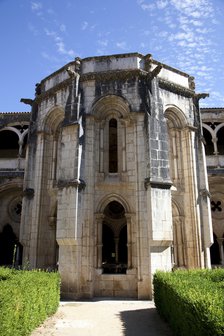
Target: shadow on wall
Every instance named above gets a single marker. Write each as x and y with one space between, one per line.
144 322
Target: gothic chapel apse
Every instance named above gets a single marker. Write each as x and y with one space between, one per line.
106 177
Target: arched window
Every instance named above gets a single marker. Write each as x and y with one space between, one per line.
113 146
209 146
9 146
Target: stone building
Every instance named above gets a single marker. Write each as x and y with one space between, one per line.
213 130
114 183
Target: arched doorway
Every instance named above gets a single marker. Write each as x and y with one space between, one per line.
114 239
214 251
8 246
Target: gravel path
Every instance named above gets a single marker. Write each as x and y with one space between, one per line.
104 318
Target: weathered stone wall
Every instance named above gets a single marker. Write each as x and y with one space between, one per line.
68 170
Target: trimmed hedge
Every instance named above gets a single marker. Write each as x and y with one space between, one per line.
192 302
27 298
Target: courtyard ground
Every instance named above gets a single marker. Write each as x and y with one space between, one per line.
104 317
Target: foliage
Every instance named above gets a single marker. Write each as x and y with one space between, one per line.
26 299
192 302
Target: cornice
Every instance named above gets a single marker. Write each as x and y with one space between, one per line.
98 76
113 75
117 75
53 90
175 88
108 57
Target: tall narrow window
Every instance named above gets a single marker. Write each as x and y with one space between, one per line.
113 148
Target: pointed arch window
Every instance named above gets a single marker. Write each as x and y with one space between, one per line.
113 146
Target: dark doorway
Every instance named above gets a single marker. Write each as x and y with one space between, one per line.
114 239
214 252
8 246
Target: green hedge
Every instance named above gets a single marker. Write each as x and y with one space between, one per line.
27 298
192 302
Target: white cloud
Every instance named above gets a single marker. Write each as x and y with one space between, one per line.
36 6
182 36
194 8
121 45
163 34
59 42
103 43
62 28
196 23
169 20
143 45
84 25
33 29
146 6
161 4
49 57
203 30
50 11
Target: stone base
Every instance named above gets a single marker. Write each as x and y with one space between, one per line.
116 285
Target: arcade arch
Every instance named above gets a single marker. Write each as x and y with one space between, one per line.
114 255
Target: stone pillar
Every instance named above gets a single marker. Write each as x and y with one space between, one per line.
129 241
191 194
116 241
99 224
179 240
37 201
221 250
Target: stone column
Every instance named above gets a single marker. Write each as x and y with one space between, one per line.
99 224
116 241
191 194
35 220
129 241
221 250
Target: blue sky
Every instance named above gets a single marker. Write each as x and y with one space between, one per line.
39 37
